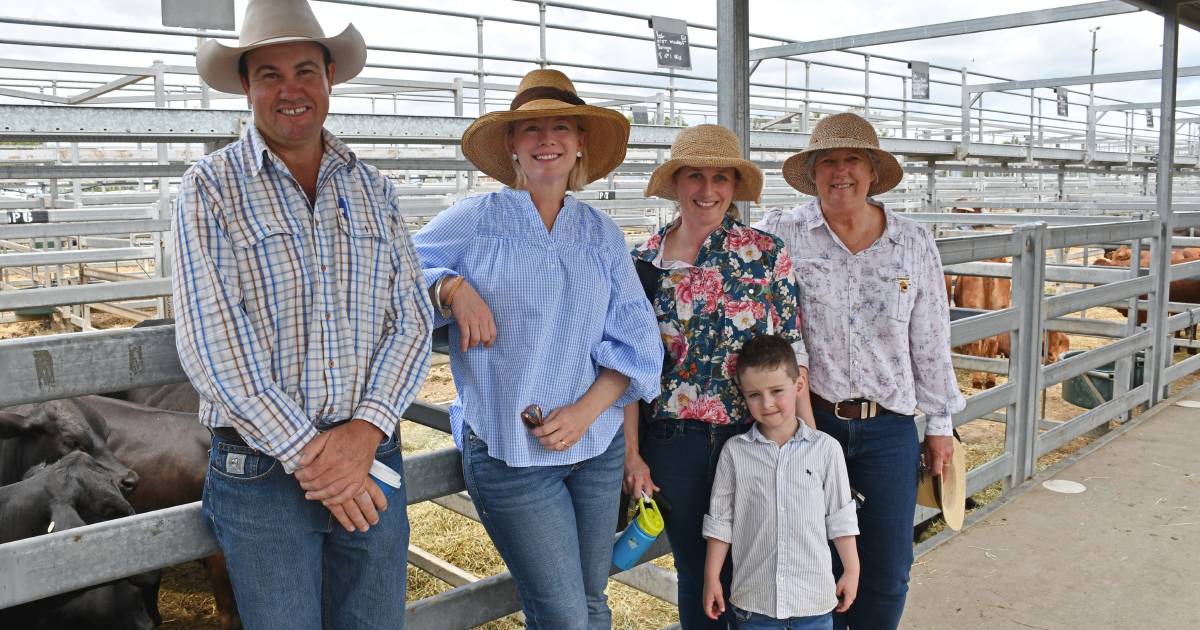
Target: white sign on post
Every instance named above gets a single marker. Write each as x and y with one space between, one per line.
216 15
920 80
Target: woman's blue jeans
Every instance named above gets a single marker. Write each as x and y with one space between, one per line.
291 563
682 456
883 459
554 526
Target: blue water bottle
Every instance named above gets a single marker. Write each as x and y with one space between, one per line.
639 535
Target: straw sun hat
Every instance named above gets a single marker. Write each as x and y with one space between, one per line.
270 22
843 131
706 146
543 93
948 491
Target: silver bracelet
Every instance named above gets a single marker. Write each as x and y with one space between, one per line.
437 294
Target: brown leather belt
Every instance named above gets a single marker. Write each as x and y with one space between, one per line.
850 409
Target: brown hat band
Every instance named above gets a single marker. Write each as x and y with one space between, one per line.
544 92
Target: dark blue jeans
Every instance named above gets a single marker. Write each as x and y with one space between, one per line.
746 620
554 527
883 459
682 456
291 564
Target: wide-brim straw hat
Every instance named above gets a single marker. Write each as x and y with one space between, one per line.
707 146
542 93
269 22
843 131
947 492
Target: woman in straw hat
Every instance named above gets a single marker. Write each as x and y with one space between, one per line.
545 313
715 284
876 320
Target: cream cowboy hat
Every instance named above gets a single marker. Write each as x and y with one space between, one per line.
843 131
270 22
701 146
947 492
541 93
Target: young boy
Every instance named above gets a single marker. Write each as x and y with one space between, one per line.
780 494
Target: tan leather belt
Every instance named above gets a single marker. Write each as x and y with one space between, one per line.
850 409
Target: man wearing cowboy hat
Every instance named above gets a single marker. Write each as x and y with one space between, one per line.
303 324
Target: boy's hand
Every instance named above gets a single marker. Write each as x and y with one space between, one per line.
714 599
847 591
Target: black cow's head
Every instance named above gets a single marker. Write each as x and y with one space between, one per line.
48 431
80 485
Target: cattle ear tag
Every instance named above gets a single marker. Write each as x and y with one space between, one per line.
903 282
51 528
235 463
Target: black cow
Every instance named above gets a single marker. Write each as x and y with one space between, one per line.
169 449
70 493
45 432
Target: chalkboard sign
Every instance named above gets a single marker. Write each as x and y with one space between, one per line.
26 216
671 43
1149 118
1061 94
920 80
641 116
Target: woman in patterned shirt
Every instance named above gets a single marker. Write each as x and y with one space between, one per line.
876 318
716 283
544 309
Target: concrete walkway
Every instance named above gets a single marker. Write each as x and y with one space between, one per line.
1123 554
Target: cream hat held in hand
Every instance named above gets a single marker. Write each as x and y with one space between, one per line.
542 93
948 491
707 146
843 131
270 22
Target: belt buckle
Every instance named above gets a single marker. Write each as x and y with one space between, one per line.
866 409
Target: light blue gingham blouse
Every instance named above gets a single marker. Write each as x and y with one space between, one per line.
566 302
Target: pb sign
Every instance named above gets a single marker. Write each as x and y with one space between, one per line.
671 43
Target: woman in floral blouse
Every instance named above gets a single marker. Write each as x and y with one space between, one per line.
716 283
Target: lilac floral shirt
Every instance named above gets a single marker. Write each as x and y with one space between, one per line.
740 286
877 322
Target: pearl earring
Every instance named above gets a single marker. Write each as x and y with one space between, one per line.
514 157
579 154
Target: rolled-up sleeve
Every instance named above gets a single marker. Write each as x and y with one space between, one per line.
218 348
937 390
401 358
841 517
630 344
718 523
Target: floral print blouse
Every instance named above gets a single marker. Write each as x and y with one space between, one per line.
741 285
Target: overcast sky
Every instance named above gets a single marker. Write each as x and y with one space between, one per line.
1125 42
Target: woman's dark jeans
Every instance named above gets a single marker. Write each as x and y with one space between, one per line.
682 456
883 459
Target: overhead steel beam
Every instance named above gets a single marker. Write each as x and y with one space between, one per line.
1083 79
1148 105
947 29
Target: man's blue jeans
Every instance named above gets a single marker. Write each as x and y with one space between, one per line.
291 563
682 456
746 620
883 459
554 527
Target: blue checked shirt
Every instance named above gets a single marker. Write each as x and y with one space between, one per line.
566 303
290 316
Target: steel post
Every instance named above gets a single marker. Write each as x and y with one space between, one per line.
542 61
481 88
964 146
1025 364
1162 350
733 60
